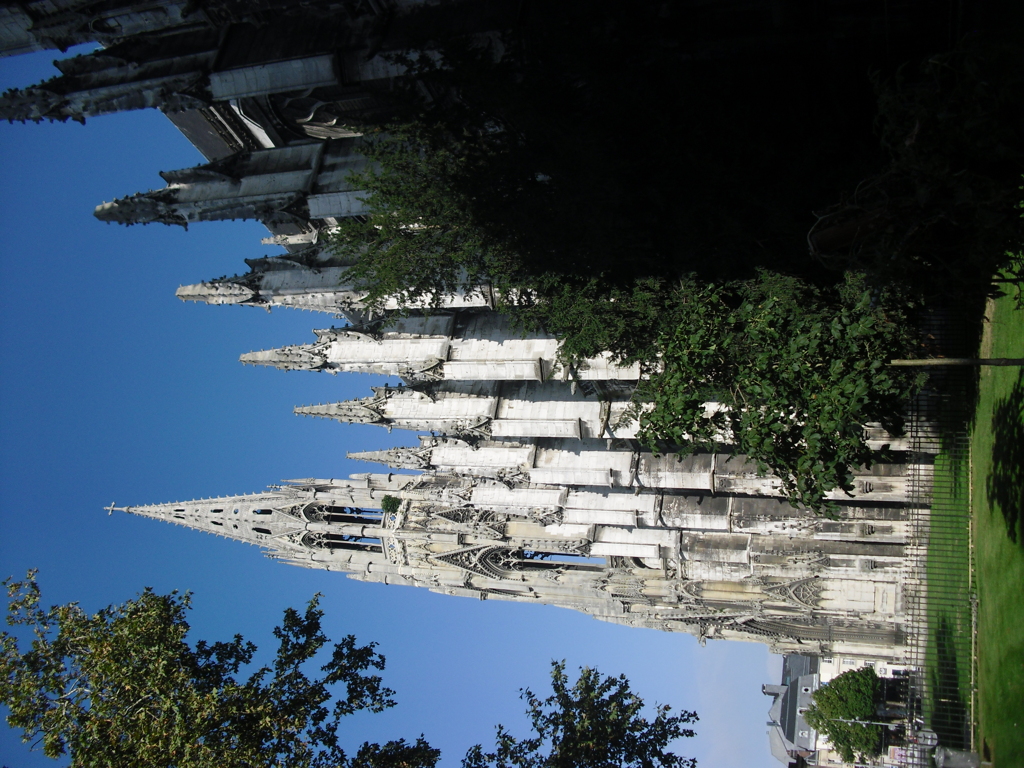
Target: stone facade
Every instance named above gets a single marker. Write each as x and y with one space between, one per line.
531 485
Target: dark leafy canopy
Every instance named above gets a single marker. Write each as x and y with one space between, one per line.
596 723
562 149
850 696
800 370
940 216
124 688
560 158
573 153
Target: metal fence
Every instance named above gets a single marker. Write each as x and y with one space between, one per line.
940 595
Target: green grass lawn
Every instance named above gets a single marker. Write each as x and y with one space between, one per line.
997 495
948 654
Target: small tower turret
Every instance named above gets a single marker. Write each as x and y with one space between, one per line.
218 292
294 186
397 458
427 348
412 347
319 285
437 409
297 358
103 83
491 408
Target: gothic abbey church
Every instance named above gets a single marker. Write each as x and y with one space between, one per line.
530 485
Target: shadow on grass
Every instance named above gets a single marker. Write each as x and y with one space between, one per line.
954 332
1011 281
949 717
1005 483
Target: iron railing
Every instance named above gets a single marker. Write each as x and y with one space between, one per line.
940 596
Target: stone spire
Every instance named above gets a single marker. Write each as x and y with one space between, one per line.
34 104
40 103
398 458
422 348
411 347
282 284
297 358
167 206
484 409
288 186
293 524
350 412
318 283
617 556
253 518
269 518
218 292
102 84
431 408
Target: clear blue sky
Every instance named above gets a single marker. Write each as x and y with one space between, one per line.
111 389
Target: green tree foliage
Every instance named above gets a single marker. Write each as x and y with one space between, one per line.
420 241
590 316
799 369
596 723
850 696
390 504
123 688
